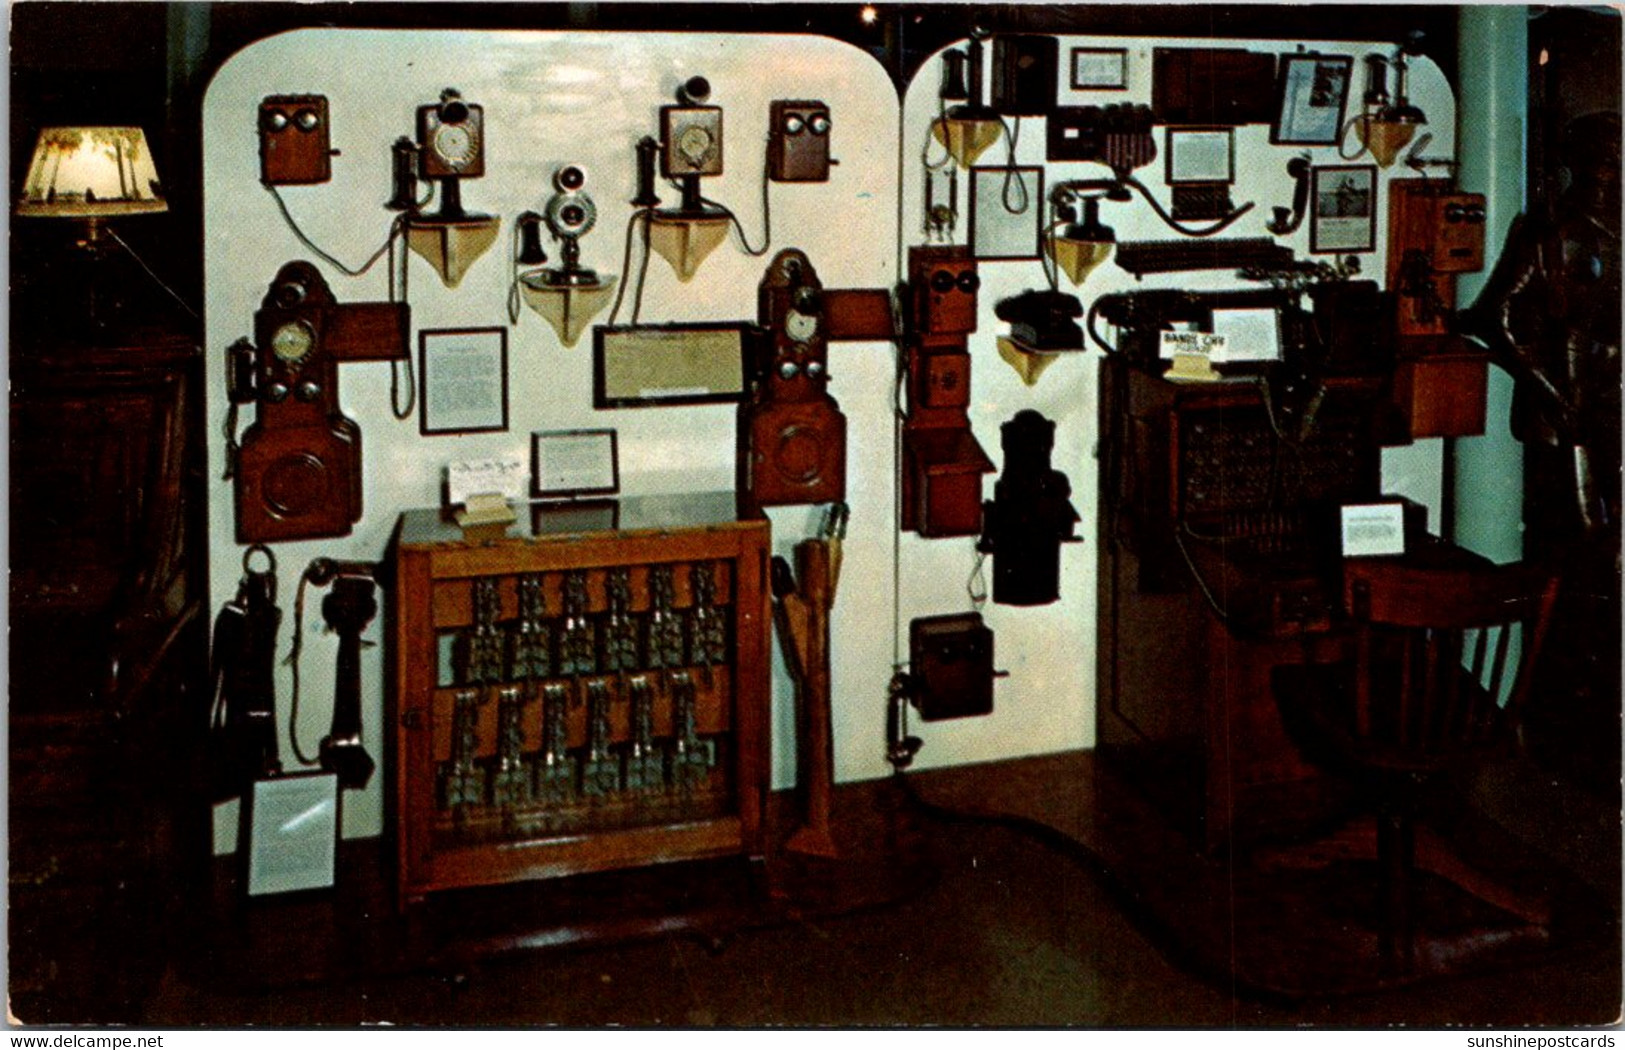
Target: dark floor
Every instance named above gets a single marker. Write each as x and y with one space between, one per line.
1011 931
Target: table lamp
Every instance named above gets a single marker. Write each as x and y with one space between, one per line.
92 174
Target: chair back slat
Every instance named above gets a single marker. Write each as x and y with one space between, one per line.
1429 677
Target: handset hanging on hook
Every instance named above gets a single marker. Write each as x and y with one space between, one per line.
1288 220
347 609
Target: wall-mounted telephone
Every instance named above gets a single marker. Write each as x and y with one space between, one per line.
570 214
294 140
298 470
950 666
1029 516
1285 220
943 283
347 609
1118 135
942 463
451 147
691 140
242 732
792 433
1434 233
1024 74
798 141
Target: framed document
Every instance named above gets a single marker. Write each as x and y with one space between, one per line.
292 827
1006 213
463 374
1099 68
637 366
574 463
1201 155
1312 89
1343 209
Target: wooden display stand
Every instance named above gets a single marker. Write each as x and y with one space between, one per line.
663 746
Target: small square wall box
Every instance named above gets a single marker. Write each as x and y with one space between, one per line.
798 141
951 663
943 282
295 140
1025 74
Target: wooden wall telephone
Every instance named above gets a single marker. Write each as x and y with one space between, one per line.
943 463
298 471
792 433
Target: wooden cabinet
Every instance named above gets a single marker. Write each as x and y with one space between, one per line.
108 652
585 690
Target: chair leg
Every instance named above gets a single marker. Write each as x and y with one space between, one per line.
1395 854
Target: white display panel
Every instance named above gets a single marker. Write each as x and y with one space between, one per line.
586 98
550 99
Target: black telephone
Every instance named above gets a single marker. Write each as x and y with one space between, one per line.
1285 221
242 732
1043 320
1141 317
347 609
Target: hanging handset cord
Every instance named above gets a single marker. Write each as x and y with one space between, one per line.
767 212
1173 223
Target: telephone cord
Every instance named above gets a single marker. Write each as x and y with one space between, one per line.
1175 224
324 256
293 662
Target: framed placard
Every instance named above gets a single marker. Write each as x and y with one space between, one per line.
292 827
1251 334
1343 209
636 366
1099 68
1312 90
1373 529
463 378
1201 155
574 463
1006 213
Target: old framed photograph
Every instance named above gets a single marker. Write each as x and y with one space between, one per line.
1099 68
1312 91
1343 209
638 366
1006 212
569 463
463 380
1201 155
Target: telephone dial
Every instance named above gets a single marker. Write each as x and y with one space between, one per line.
450 147
691 141
793 432
298 469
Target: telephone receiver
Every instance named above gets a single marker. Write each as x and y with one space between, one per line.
348 608
1285 221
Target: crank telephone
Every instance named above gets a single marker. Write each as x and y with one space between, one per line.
298 470
792 433
347 609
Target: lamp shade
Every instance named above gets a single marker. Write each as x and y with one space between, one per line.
91 173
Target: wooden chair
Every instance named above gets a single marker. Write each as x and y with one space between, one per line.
1434 651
